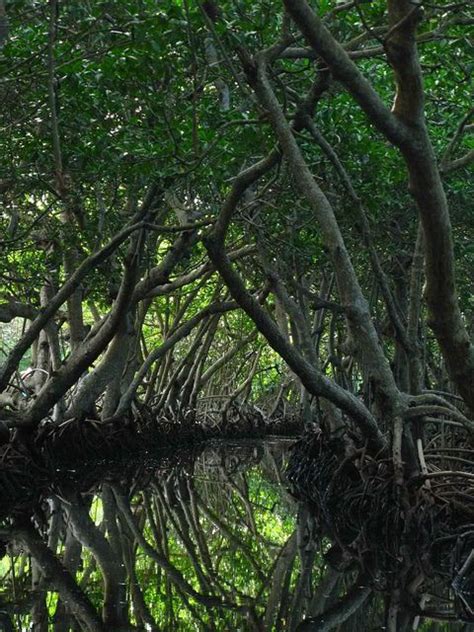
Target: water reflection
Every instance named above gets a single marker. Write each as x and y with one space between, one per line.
210 542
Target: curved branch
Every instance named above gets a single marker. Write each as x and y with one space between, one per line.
316 383
72 283
359 321
346 71
84 356
421 411
14 309
406 129
464 161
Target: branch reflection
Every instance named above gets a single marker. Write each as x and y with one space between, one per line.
212 543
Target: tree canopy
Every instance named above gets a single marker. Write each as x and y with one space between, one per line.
216 204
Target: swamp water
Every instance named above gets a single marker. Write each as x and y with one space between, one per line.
208 539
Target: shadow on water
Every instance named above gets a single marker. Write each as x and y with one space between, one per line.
208 539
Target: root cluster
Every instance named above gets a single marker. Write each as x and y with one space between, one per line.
420 534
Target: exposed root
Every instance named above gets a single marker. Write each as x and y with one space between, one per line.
427 537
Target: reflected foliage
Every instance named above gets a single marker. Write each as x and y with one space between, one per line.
212 542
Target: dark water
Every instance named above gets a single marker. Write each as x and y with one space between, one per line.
209 541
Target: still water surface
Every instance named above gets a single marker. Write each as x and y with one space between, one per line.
208 541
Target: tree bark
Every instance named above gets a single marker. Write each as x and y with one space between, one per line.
405 127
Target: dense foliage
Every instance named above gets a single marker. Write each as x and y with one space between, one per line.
129 112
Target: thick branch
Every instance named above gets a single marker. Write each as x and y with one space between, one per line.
445 318
364 228
90 536
345 70
13 309
72 283
374 362
316 383
82 358
202 272
159 275
406 129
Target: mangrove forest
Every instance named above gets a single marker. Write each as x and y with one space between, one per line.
236 315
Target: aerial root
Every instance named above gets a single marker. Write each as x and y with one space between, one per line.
394 535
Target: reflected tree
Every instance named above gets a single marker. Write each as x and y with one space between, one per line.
214 543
